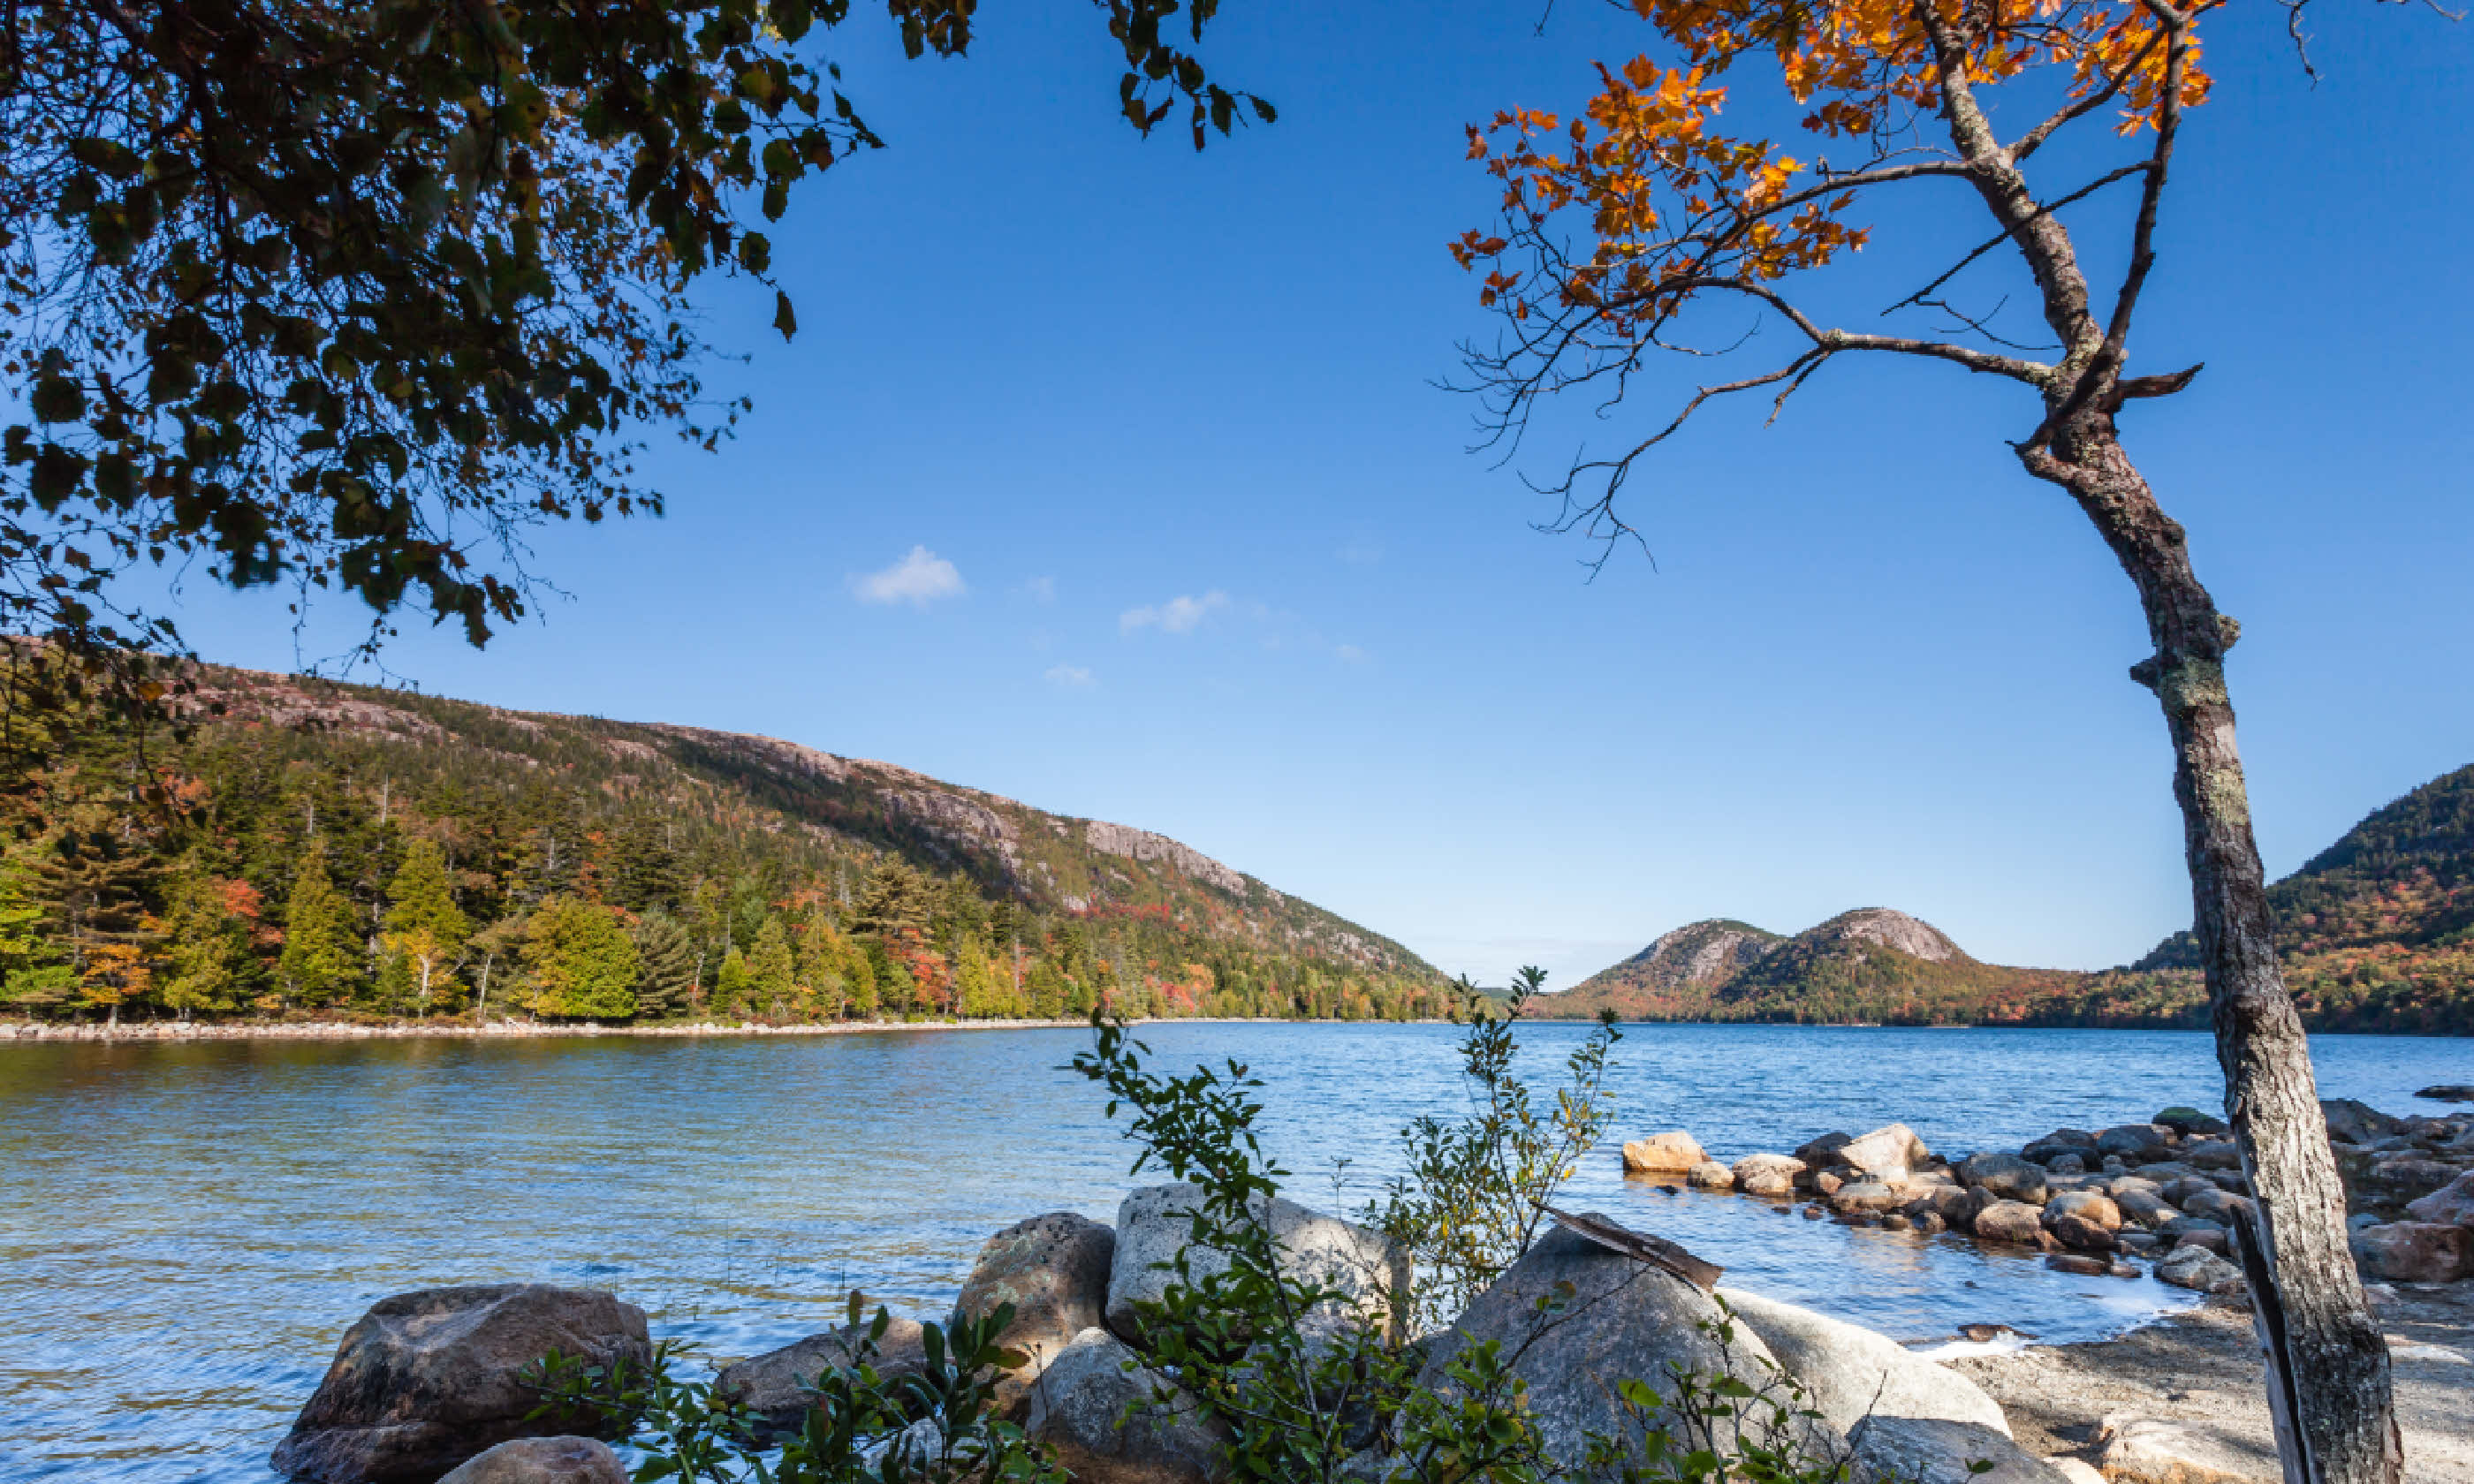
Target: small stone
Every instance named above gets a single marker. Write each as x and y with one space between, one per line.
2449 1093
1866 1195
1709 1175
1824 1150
2088 1205
1813 1214
1896 1221
2068 1163
2072 1262
1929 1223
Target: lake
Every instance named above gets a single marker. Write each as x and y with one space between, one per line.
185 1230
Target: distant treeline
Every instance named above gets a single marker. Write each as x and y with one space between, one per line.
241 869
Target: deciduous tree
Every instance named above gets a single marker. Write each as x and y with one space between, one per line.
1621 224
581 961
355 294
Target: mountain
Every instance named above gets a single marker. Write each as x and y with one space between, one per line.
863 887
2376 932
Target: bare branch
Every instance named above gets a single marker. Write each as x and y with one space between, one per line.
2081 194
2034 138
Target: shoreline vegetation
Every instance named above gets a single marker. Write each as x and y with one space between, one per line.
517 1030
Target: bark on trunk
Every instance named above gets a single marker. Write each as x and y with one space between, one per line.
2327 1366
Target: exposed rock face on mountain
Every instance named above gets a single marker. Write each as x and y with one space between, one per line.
1698 955
1911 936
2377 933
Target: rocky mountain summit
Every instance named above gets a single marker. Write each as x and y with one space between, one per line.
2377 933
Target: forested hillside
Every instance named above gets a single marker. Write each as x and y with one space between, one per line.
301 848
2377 934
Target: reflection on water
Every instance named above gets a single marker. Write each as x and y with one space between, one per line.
185 1230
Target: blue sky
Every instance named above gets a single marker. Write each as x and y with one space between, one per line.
1115 479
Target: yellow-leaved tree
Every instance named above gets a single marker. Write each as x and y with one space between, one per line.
1620 220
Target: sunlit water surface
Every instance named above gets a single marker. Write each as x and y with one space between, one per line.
185 1230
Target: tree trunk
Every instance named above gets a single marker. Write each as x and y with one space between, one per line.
2327 1366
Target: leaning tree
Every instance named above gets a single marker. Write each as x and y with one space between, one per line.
1620 223
355 293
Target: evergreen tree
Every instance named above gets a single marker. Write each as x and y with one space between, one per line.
424 926
209 964
321 960
734 988
894 904
771 968
669 959
32 970
582 964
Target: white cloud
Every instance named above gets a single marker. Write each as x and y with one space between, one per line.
1040 589
1069 677
918 579
1351 654
1177 616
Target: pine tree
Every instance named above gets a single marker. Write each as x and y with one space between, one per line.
423 926
32 972
321 960
774 974
733 985
582 963
669 961
894 904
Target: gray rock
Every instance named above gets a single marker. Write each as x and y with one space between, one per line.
2215 1206
2191 1232
2059 1143
2358 1123
1079 1407
1623 1320
2133 1449
1851 1371
2190 1120
2449 1093
2007 1176
1918 1451
2131 1139
1152 1226
1888 1154
776 1385
2452 1205
562 1460
2067 1162
1053 1270
2198 1268
426 1380
2079 1233
2215 1154
2146 1209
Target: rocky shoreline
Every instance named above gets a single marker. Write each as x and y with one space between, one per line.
2165 1191
408 1030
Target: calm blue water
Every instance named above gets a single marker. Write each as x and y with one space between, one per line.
185 1230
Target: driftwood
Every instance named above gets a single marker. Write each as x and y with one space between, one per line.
1656 1251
